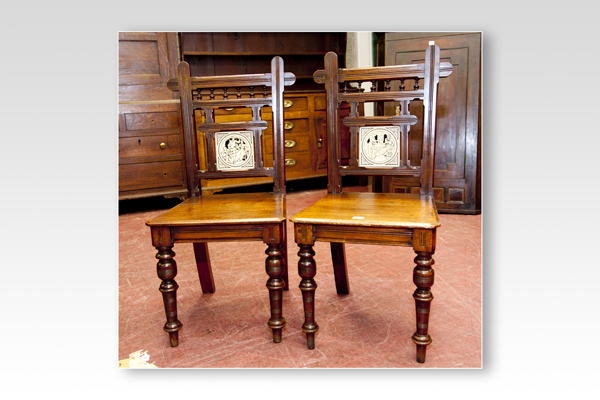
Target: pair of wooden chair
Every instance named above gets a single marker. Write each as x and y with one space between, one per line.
379 146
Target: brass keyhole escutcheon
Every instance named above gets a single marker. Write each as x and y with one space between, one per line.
287 103
290 143
162 145
290 161
288 125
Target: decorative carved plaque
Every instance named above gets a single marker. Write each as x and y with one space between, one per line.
234 150
379 146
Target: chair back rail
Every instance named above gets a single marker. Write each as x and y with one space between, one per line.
213 92
427 74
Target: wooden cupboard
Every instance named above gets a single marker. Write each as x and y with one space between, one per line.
151 161
457 177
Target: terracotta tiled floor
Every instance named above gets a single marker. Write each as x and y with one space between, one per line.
369 328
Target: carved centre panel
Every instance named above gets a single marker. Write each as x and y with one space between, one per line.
379 146
234 150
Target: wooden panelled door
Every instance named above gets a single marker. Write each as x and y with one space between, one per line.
457 155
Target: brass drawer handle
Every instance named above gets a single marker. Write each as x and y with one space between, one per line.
320 142
162 145
287 103
290 143
288 125
229 109
290 161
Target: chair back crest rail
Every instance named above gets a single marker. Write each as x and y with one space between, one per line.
233 149
366 144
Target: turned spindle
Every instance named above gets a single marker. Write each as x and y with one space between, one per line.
307 269
167 270
423 276
274 266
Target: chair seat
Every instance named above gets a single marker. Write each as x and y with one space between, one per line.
246 208
372 209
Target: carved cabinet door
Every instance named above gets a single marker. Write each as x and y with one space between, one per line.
457 155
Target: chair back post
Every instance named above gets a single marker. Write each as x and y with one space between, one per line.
432 77
334 150
277 86
187 114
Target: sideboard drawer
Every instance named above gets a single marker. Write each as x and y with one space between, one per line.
156 120
150 175
293 161
149 146
295 104
293 144
291 126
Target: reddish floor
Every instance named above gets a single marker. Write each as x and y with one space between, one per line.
369 328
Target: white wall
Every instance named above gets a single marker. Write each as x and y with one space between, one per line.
359 54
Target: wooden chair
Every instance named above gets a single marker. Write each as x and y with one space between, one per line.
233 149
378 146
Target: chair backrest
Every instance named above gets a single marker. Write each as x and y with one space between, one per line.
380 145
233 149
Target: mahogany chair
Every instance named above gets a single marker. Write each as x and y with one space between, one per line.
378 146
233 150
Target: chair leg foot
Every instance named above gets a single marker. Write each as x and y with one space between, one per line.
174 339
310 341
423 277
307 269
275 268
167 270
421 351
276 335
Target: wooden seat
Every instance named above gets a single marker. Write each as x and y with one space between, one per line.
379 145
243 208
372 209
233 149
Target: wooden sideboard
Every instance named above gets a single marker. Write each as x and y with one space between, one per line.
151 161
222 53
457 177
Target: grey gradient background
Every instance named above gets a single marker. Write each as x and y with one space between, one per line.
59 229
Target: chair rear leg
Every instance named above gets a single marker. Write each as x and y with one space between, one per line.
204 269
338 255
284 255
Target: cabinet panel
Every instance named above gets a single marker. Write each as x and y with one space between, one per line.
457 135
321 129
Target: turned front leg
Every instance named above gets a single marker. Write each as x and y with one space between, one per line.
275 267
423 276
167 270
307 269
